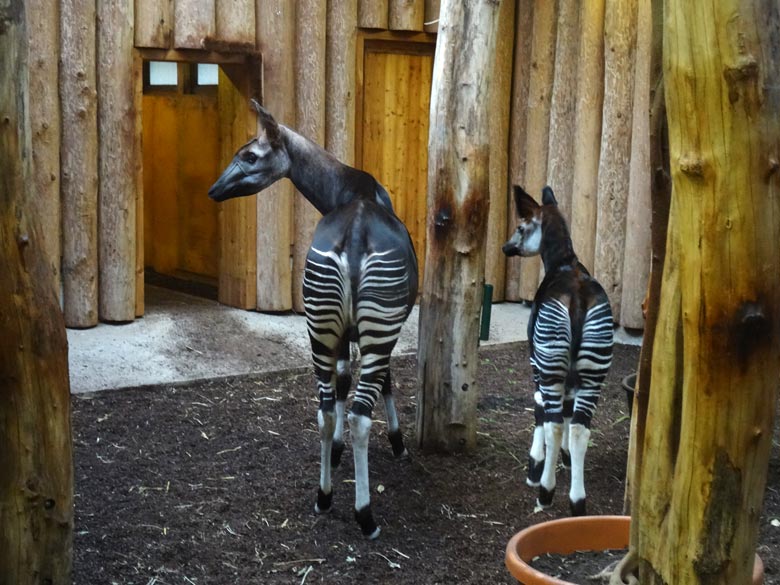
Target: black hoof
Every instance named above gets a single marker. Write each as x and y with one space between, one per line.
366 520
324 501
336 449
566 459
535 469
397 443
545 497
578 508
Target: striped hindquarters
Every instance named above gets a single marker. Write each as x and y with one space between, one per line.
551 354
594 356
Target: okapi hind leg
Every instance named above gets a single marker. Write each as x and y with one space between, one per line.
568 411
326 419
343 385
537 453
394 434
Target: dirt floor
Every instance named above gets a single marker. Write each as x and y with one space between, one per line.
214 483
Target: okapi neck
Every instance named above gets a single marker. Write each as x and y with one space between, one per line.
558 254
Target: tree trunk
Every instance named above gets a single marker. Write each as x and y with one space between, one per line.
373 14
36 483
615 157
153 23
458 181
195 22
117 156
276 33
340 80
500 103
538 126
79 163
524 23
587 129
310 117
406 15
717 345
235 24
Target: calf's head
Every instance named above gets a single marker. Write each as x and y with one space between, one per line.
527 239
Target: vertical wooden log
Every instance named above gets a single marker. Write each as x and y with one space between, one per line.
310 74
459 147
235 23
636 260
524 20
194 23
340 80
79 163
44 43
138 99
153 23
500 102
36 483
540 85
276 34
615 156
431 16
587 130
560 165
117 160
373 14
238 218
714 380
406 15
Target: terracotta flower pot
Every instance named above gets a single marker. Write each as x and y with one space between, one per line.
567 535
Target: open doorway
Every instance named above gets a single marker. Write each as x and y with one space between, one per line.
194 116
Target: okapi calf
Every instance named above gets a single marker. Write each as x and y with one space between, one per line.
570 333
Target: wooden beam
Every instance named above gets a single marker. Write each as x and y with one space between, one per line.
79 164
524 21
44 41
194 23
154 23
406 15
587 130
373 14
276 33
540 85
341 41
138 98
500 102
235 23
458 199
117 160
615 156
431 16
310 68
36 483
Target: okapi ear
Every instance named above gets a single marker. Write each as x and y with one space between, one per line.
268 123
525 204
548 198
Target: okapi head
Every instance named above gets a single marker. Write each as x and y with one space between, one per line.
258 164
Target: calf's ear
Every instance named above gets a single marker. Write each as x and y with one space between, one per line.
525 204
268 123
548 198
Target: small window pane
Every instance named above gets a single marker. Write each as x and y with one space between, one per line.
163 73
208 74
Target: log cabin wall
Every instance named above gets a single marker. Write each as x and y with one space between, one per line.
551 124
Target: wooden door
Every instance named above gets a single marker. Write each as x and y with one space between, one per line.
393 127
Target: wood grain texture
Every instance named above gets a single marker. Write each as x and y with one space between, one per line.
518 129
615 154
406 15
341 37
276 32
587 130
194 23
117 161
43 31
138 96
154 23
431 16
79 164
458 196
373 14
235 24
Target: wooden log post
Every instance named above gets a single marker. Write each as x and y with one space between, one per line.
310 79
79 163
560 163
373 14
153 23
540 85
431 16
524 22
636 254
235 25
500 103
117 160
276 34
615 155
587 130
715 360
36 483
340 80
195 22
458 200
406 15
44 41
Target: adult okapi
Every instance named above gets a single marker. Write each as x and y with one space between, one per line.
570 332
359 285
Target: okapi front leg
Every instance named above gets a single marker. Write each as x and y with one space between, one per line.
326 419
393 428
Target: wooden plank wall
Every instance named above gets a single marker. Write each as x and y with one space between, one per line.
555 110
